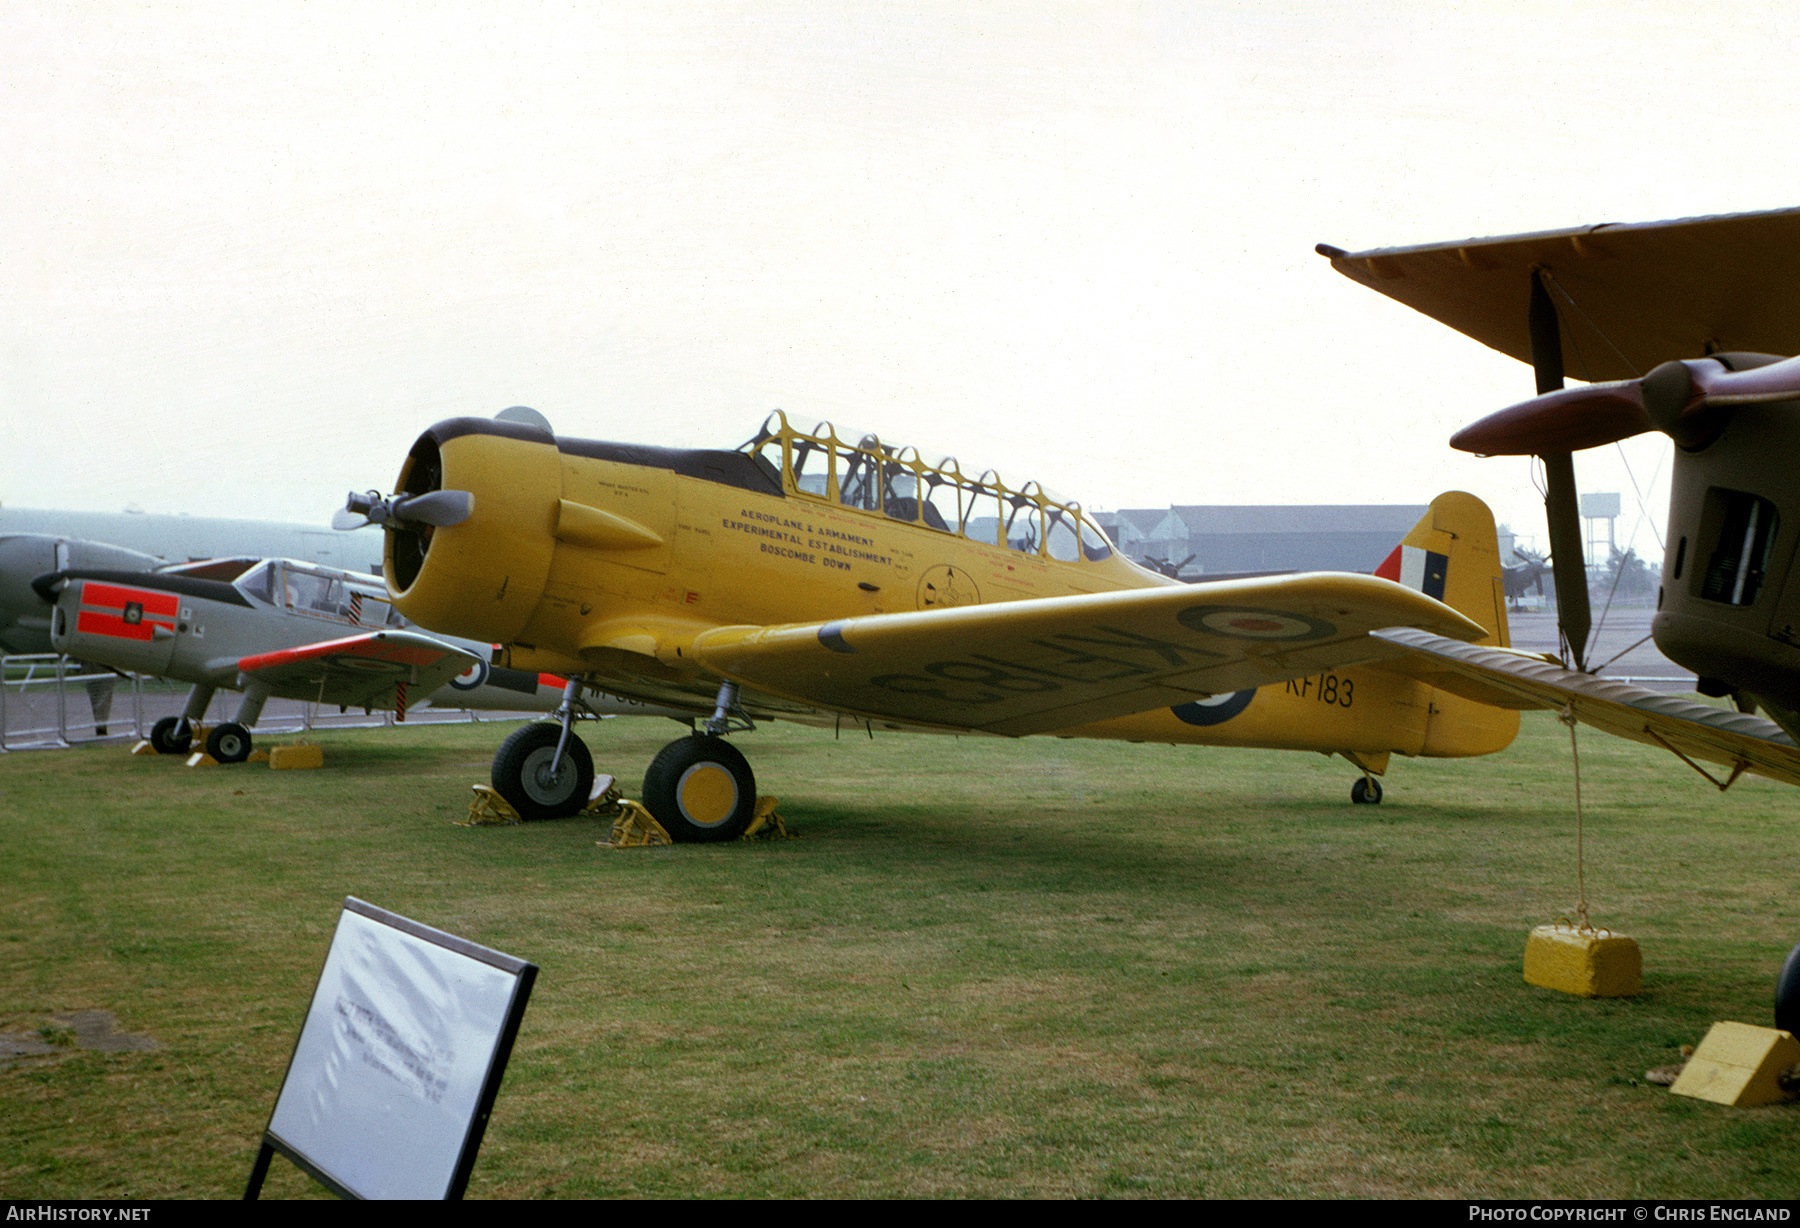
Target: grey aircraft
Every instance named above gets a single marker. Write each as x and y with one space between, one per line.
281 627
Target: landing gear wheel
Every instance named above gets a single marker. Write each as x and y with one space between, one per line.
171 736
229 743
521 773
700 789
1787 994
1366 791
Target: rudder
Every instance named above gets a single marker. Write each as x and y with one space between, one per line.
1453 554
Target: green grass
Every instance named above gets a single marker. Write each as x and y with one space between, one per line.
985 969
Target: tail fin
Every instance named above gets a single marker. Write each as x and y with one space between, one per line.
1453 554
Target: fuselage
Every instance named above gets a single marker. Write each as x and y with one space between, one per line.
607 560
1729 604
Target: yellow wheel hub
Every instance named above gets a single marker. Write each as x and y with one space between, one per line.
708 794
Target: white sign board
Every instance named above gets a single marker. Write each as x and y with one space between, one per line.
396 1068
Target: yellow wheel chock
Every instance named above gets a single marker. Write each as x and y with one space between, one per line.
489 809
636 827
633 826
766 824
295 754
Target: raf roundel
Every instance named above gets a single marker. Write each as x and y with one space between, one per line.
1214 710
1248 623
472 677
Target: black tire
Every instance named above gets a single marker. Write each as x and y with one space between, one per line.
228 743
521 773
1787 994
1366 791
700 789
171 736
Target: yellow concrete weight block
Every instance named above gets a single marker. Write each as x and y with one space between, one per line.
1586 962
302 756
1741 1065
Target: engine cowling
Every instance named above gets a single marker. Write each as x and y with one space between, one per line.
483 577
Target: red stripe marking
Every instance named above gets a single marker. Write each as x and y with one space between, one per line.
552 681
113 626
115 597
351 646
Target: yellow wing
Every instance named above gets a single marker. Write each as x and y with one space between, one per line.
1028 667
1508 679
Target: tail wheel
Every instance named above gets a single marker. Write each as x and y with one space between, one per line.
229 743
1366 791
171 736
522 774
701 789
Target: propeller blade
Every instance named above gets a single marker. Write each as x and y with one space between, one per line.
440 508
1569 420
1776 381
1689 401
49 585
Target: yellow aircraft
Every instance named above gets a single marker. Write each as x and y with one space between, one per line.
820 578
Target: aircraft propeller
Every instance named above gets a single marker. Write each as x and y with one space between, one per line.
1690 401
1166 568
438 508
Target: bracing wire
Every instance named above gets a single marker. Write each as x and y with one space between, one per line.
1598 331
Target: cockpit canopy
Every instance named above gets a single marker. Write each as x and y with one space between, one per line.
896 482
320 592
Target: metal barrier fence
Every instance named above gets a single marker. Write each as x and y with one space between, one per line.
49 702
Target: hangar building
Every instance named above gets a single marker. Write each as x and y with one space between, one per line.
1221 540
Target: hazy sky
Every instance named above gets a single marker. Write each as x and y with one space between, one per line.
251 250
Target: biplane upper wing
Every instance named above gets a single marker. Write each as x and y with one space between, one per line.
359 670
1027 667
1628 296
1509 679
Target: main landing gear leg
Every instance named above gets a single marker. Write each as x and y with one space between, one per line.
700 788
544 771
230 742
172 735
